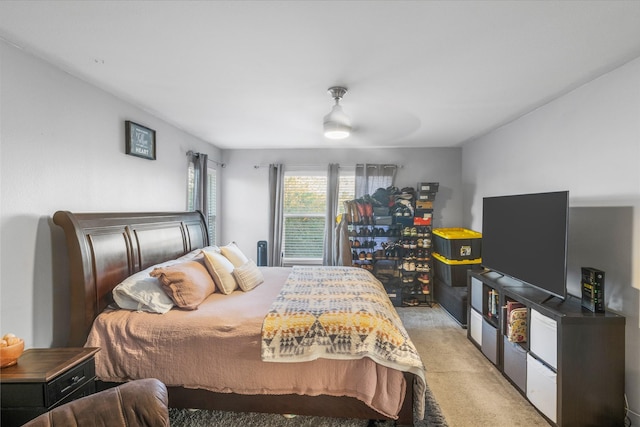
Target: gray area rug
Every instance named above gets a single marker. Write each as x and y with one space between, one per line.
202 418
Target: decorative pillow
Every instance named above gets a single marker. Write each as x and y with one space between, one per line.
248 276
196 252
141 292
221 269
214 249
187 283
233 253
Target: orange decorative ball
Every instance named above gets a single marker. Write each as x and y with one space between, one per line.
9 354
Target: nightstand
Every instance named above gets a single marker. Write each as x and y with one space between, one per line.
45 378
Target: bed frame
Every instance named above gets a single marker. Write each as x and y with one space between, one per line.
106 248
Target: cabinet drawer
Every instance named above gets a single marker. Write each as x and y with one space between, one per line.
476 294
543 338
515 363
490 342
542 391
475 326
68 383
17 416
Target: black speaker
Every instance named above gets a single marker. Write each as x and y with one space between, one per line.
593 289
262 253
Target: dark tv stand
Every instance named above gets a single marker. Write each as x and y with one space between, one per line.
547 299
571 365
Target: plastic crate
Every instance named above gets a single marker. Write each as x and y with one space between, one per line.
453 272
426 196
429 187
403 220
424 204
421 221
457 243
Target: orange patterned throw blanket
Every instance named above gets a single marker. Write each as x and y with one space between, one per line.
339 313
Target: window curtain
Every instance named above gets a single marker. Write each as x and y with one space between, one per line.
200 183
370 177
276 217
333 181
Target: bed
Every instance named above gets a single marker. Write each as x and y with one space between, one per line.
106 248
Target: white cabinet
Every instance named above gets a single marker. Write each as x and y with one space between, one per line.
543 338
476 294
475 327
542 391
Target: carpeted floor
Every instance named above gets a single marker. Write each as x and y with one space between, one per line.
469 389
464 388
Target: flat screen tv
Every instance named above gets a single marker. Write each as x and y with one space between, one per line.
525 237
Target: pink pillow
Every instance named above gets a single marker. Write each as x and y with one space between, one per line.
187 283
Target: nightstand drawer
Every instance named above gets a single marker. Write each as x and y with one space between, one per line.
66 384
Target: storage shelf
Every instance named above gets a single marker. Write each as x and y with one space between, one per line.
571 368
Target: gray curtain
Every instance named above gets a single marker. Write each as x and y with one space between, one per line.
333 181
342 255
200 167
276 217
370 177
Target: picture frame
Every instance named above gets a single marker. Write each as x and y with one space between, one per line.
140 141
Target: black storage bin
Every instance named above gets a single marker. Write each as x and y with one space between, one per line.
394 292
428 187
453 272
452 299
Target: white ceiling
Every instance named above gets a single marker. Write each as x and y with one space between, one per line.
255 74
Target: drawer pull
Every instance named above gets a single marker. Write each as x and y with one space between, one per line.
73 381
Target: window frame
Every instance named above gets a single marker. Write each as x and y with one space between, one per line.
212 219
308 172
300 172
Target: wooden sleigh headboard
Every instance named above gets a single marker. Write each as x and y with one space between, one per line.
106 248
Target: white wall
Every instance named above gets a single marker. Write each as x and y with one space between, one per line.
245 198
62 148
587 142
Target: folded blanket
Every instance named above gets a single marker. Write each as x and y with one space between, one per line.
339 313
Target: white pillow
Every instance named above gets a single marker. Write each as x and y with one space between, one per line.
221 270
248 276
213 248
233 253
141 292
196 252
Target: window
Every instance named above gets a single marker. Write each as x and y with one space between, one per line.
305 204
212 190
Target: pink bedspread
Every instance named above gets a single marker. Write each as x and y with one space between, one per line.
217 347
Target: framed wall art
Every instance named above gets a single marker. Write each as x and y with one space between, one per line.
140 141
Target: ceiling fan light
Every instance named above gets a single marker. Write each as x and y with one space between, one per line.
337 124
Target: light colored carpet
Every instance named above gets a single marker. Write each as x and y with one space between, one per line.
467 386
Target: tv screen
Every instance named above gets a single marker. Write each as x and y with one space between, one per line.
525 237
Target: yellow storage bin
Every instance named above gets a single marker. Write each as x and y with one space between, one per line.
457 243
